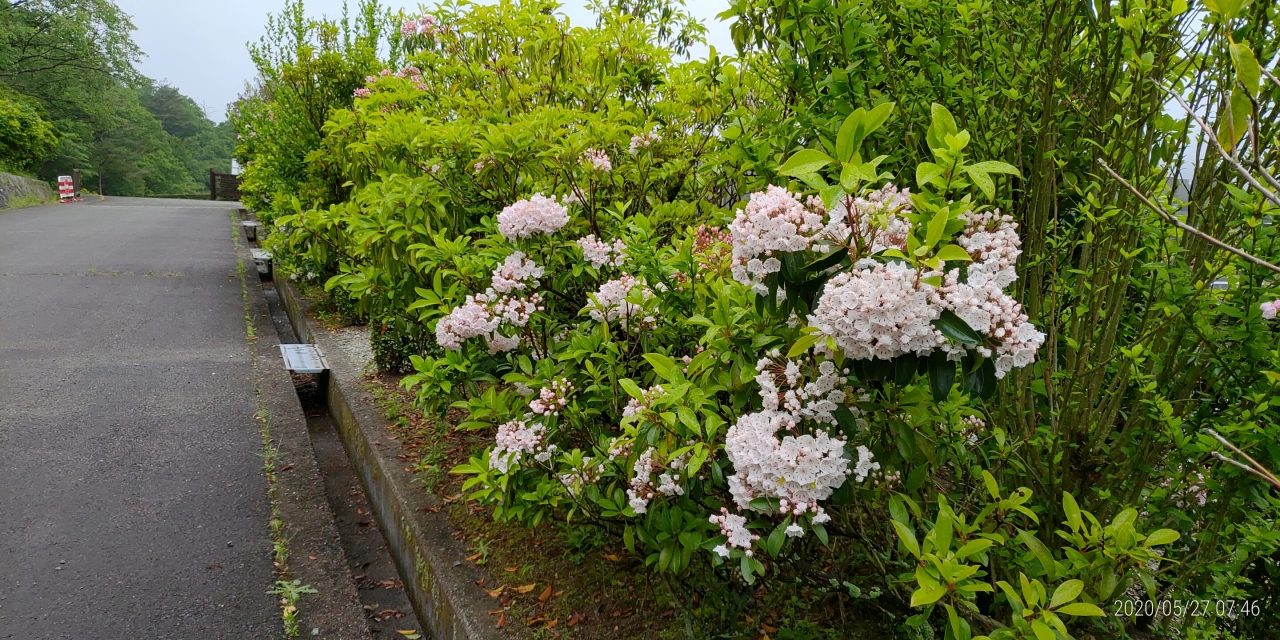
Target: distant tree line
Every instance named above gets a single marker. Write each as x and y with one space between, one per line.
71 98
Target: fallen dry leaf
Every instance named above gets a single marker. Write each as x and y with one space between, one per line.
610 557
493 593
511 569
502 620
409 633
558 593
535 620
286 467
768 629
480 581
552 623
546 595
472 558
526 588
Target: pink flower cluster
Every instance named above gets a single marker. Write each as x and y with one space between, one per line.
800 469
610 302
641 492
600 253
552 398
643 141
484 313
597 159
991 312
882 312
362 92
526 218
514 439
516 273
1269 309
636 407
773 220
426 25
734 527
815 400
992 241
873 219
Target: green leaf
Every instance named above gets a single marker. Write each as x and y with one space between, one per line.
993 487
955 328
995 166
908 538
1163 536
953 253
973 547
778 537
846 420
937 226
850 176
1248 73
942 126
1228 9
1042 631
631 388
803 162
821 532
942 375
942 532
1066 592
982 181
1041 553
826 262
1235 120
1072 511
927 172
927 595
981 381
803 344
629 538
846 142
664 366
1081 609
876 118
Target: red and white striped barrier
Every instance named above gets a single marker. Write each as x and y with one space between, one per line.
66 188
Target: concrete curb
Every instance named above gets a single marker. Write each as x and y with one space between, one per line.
449 603
304 509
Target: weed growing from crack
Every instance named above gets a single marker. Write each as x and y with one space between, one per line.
289 591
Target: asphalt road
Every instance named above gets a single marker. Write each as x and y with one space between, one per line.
132 498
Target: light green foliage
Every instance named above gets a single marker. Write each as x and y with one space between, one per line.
390 198
25 137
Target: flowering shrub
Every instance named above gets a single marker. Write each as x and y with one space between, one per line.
877 369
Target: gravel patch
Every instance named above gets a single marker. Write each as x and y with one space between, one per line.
354 342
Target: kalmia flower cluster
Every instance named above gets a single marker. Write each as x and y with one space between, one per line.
426 25
1269 309
773 221
636 407
882 312
527 218
610 303
552 398
597 159
514 439
733 527
643 141
600 253
483 314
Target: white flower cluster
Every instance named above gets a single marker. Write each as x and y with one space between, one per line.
526 218
514 439
866 464
597 159
1269 309
610 302
636 407
515 273
773 220
992 241
552 398
484 313
801 470
882 312
576 479
641 491
734 527
643 141
814 400
600 253
874 218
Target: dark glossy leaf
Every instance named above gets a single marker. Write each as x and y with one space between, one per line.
955 328
904 368
830 260
942 375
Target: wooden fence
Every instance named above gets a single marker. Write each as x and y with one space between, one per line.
224 186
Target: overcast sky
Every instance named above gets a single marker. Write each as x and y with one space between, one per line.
199 47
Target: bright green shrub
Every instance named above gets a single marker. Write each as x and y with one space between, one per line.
26 138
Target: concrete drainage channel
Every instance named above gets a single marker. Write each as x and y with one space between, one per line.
380 588
392 532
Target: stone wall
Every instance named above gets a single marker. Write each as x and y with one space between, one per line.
20 190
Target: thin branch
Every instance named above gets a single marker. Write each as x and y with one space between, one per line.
1260 470
1222 151
1184 226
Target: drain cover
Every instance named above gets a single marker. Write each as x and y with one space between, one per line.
303 358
